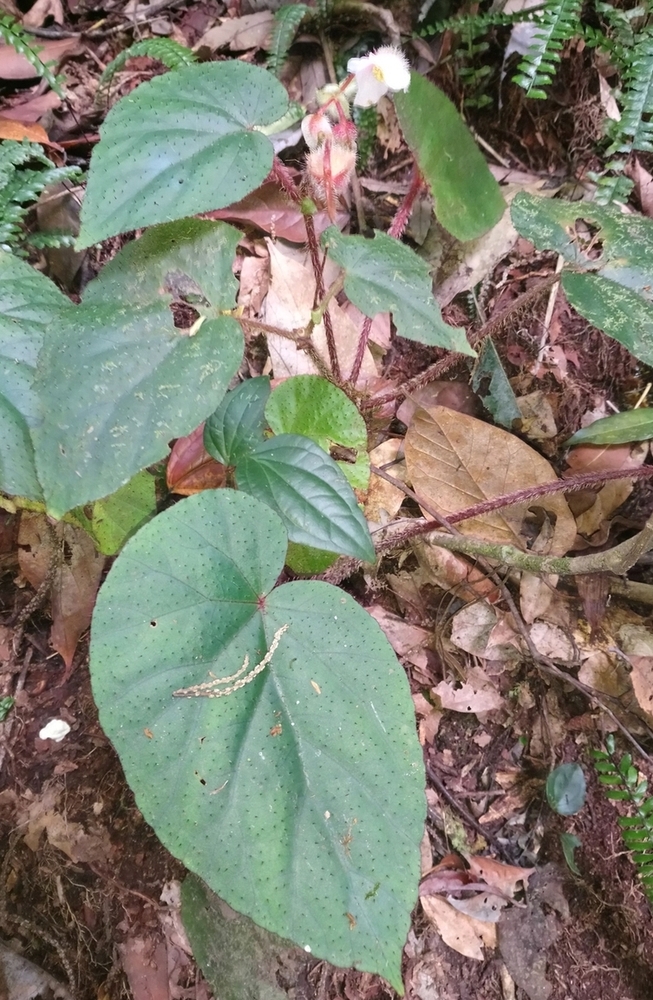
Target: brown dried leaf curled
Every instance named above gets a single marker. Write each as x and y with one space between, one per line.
455 461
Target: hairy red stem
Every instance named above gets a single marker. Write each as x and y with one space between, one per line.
400 220
580 482
396 230
284 178
314 251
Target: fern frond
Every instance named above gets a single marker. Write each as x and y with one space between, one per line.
635 130
21 186
621 783
13 34
284 28
477 24
612 188
165 50
557 23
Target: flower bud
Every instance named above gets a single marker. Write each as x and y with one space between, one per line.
315 129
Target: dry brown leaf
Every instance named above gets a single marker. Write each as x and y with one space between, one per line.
41 815
288 306
454 395
453 572
269 208
636 642
145 963
503 878
252 31
429 718
13 66
643 183
76 579
464 934
535 595
381 329
552 641
537 418
474 629
383 499
387 130
30 110
40 11
479 258
600 506
425 854
254 284
72 839
610 675
191 469
477 694
485 906
402 636
455 461
10 129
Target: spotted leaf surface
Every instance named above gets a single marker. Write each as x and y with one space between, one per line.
97 391
384 275
299 798
181 144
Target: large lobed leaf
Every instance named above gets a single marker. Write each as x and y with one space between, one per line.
299 798
181 144
467 198
96 391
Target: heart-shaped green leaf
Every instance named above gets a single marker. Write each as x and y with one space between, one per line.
181 144
468 200
566 789
384 275
309 493
298 798
237 425
115 380
316 408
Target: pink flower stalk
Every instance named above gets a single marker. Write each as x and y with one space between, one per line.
331 158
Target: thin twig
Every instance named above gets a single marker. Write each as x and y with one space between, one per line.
465 814
439 368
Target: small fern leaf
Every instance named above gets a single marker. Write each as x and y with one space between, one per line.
613 187
21 186
635 130
558 22
13 34
637 830
284 28
164 50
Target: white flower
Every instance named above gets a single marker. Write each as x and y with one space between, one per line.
56 730
385 70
